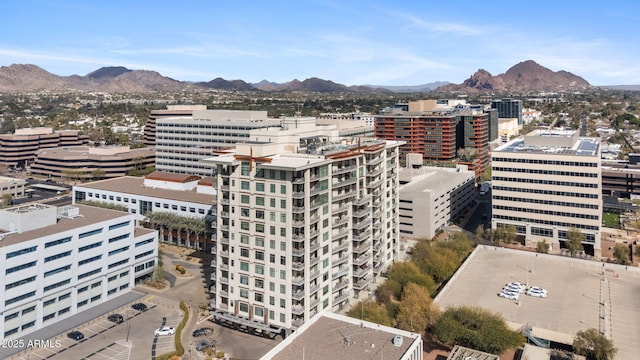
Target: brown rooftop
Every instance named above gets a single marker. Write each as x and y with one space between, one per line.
331 338
135 186
89 215
165 176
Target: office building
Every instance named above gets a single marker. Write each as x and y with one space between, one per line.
334 336
547 183
62 261
182 141
508 108
18 149
305 222
441 135
149 133
89 163
431 198
621 178
188 196
14 188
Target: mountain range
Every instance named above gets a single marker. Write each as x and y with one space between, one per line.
525 76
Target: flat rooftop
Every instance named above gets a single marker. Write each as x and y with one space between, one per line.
555 141
88 215
438 180
135 186
579 293
332 336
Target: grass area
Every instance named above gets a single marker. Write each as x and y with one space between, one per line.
611 220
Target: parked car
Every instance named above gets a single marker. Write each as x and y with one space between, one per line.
204 344
139 307
116 318
75 335
202 331
165 330
508 295
516 285
537 292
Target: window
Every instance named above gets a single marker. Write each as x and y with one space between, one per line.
57 242
260 186
20 282
90 233
259 297
244 252
244 225
56 285
244 239
144 242
244 280
259 269
283 189
89 273
259 283
118 238
21 251
57 256
272 188
117 251
244 199
20 267
259 255
260 241
260 228
90 246
244 293
19 298
118 263
259 200
244 266
56 271
91 259
122 224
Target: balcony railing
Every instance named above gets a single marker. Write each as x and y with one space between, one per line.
341 272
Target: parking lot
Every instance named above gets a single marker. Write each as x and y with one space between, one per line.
581 294
133 338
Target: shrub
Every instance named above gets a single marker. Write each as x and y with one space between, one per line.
181 269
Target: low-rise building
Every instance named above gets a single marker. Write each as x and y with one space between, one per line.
188 196
431 198
18 149
334 336
88 163
62 261
13 187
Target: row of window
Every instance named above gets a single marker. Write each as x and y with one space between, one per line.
545 182
546 162
134 201
547 212
545 202
546 172
546 192
545 222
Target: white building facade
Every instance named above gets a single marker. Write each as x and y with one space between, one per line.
547 183
62 261
431 198
181 142
298 233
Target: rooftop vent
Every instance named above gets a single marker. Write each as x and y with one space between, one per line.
397 340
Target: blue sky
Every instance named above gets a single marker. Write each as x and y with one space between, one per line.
349 42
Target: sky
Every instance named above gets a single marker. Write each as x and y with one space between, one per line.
373 42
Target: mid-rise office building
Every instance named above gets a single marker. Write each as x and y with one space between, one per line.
89 163
621 178
508 108
188 196
18 149
547 183
149 133
304 224
61 261
182 141
441 135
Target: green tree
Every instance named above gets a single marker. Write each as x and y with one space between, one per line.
542 246
478 235
416 310
593 345
574 241
486 174
370 310
621 254
407 272
476 328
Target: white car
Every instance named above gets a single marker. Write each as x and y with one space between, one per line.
538 289
541 293
517 285
509 295
513 288
165 330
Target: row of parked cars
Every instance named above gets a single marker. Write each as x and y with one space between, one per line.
115 318
513 290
